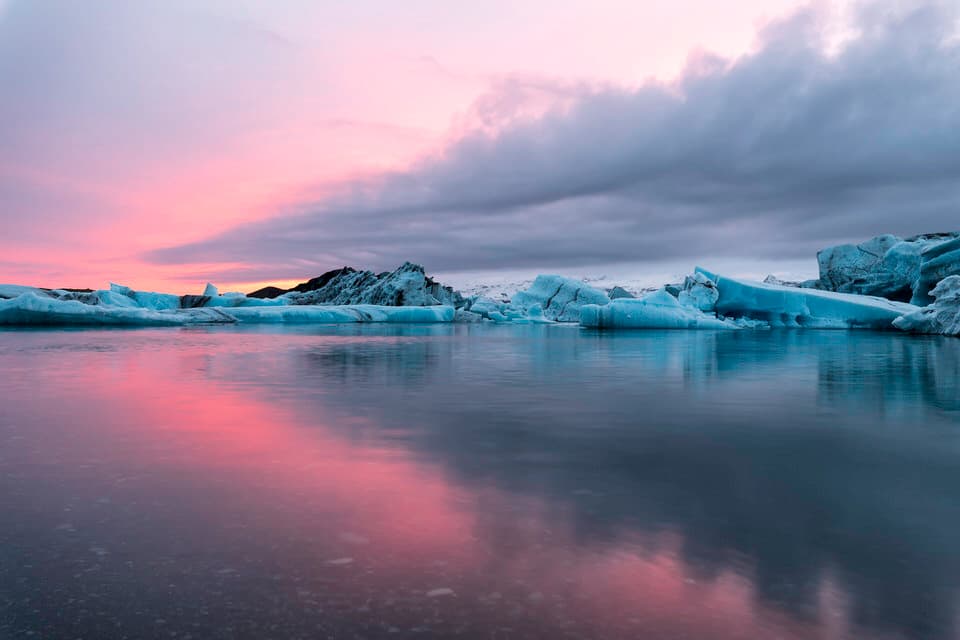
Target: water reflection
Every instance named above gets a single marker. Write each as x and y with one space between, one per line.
230 483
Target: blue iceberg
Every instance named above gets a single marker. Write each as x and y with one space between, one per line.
657 310
782 306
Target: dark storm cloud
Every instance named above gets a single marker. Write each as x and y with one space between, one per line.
771 155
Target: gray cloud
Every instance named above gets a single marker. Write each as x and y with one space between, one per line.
771 155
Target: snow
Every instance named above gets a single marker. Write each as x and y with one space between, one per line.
809 308
657 310
32 308
559 298
941 317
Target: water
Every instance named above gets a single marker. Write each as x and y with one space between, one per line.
478 482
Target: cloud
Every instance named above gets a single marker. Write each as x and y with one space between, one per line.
770 155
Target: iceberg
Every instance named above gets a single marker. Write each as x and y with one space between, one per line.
781 306
334 314
559 298
890 267
406 286
122 306
699 292
8 291
33 308
657 310
941 317
937 262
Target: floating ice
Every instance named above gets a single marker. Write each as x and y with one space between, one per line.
560 298
942 317
210 290
657 310
406 286
809 308
32 308
331 314
699 292
13 290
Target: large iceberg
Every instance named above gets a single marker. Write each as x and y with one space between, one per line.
558 297
781 306
36 308
941 317
406 286
657 310
890 267
331 314
122 306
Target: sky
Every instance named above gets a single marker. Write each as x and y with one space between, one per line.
164 143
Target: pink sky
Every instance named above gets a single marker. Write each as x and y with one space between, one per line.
131 128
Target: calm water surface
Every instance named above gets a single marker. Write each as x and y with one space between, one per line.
480 482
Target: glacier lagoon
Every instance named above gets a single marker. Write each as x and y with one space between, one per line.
478 481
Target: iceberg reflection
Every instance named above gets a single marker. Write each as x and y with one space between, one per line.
491 481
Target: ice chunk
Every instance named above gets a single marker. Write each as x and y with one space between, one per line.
937 262
535 315
862 269
232 300
14 290
619 292
113 298
120 289
210 290
560 298
699 292
462 315
888 266
31 308
942 317
657 310
791 307
335 314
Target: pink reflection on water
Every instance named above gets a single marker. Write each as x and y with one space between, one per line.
373 517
